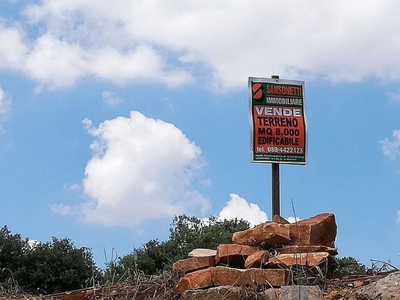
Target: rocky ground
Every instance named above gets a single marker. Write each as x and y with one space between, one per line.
141 287
275 260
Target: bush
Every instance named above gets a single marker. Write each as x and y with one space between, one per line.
350 265
44 268
186 234
13 251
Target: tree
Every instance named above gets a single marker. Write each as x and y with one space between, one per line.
51 267
350 265
186 234
12 254
150 259
57 266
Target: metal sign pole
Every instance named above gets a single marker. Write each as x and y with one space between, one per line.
276 209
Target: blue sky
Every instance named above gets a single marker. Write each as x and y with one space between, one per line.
115 116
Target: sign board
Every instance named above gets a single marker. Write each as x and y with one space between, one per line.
277 121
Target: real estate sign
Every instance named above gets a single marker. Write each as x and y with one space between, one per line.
277 121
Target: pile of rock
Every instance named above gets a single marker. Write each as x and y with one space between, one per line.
265 255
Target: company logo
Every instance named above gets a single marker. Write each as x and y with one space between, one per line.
257 92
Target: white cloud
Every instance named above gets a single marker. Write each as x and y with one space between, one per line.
5 103
111 98
33 243
173 42
12 48
73 187
391 149
62 209
235 40
293 219
55 63
5 107
238 207
141 169
141 63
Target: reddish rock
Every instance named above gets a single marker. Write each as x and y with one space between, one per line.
201 252
233 255
299 259
316 231
306 249
257 259
230 276
278 219
223 276
184 266
266 235
195 280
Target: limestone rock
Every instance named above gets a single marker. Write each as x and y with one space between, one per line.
278 219
222 276
319 230
266 235
195 280
299 259
257 259
383 289
184 266
201 252
306 249
232 276
295 292
233 255
246 266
